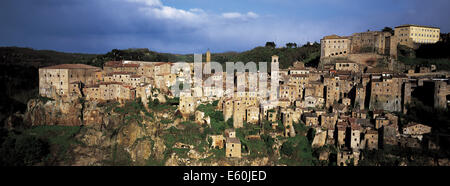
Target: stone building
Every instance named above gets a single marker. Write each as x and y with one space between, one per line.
187 105
217 141
413 35
341 134
287 118
386 93
360 96
290 92
334 46
230 133
109 91
347 157
371 42
332 92
120 66
328 121
416 129
441 90
162 68
252 115
355 136
311 119
381 121
66 79
347 66
238 113
371 139
227 108
233 148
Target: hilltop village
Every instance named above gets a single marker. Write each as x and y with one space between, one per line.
352 100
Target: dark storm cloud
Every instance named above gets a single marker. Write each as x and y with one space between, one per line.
97 26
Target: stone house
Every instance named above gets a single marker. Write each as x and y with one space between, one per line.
381 121
360 96
252 115
341 134
227 108
319 139
347 157
233 148
288 121
187 105
416 130
347 66
311 119
230 133
386 93
356 113
238 113
371 139
355 136
109 91
120 66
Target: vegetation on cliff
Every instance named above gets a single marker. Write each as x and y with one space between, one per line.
427 54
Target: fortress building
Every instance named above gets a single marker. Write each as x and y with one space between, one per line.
412 35
335 46
66 79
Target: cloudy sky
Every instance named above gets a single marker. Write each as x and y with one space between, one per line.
192 26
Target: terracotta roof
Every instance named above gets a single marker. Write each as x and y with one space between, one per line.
334 36
71 66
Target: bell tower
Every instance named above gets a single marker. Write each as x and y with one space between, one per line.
208 56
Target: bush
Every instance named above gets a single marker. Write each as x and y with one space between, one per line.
297 151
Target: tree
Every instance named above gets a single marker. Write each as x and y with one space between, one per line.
271 44
388 29
291 45
287 148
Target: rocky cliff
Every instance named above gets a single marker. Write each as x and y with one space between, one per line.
119 134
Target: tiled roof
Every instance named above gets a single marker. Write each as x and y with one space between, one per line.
334 36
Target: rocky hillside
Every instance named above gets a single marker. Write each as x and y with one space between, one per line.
76 132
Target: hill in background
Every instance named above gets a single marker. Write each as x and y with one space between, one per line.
19 66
